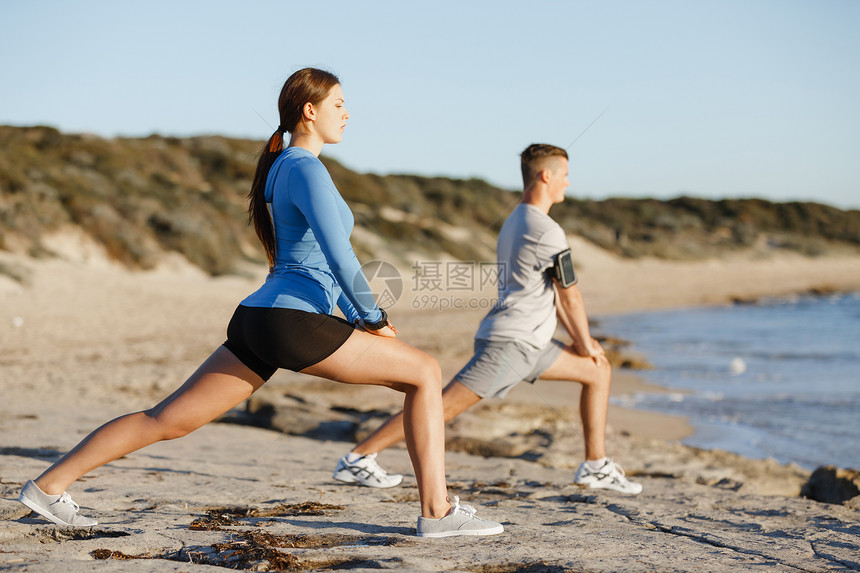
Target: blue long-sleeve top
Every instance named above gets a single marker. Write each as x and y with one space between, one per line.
315 267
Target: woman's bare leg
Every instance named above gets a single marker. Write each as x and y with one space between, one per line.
368 359
220 383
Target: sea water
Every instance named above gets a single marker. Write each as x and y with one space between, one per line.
777 379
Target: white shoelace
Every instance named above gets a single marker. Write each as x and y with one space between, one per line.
373 466
66 498
608 469
615 468
616 472
465 508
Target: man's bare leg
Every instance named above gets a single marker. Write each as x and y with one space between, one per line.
456 399
594 400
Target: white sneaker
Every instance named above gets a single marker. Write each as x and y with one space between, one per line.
365 471
461 520
58 508
609 476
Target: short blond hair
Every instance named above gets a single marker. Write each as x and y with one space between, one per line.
537 157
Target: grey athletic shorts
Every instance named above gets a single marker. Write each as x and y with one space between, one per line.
496 367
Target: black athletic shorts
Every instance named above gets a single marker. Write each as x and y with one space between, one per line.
266 339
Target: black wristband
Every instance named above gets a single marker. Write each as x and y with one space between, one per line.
383 322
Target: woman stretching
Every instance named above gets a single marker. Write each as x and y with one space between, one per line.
304 226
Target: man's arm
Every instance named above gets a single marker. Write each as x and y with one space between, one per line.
571 313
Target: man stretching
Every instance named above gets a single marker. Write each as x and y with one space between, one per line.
514 341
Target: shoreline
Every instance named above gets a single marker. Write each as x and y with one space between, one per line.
754 435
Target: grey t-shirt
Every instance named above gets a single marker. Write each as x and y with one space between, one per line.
525 312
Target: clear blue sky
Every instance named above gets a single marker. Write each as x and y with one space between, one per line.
716 99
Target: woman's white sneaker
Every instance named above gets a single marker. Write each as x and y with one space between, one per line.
60 509
461 520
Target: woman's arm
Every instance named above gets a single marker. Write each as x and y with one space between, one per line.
313 194
346 308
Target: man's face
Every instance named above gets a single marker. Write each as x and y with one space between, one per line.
558 181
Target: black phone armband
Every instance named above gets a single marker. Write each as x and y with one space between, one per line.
562 269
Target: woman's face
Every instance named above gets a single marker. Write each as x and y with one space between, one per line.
331 116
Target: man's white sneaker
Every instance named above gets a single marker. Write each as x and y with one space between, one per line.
365 471
58 508
609 476
461 520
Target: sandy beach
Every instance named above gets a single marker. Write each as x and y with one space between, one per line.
84 340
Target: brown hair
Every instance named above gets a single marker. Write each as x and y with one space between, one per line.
308 85
537 157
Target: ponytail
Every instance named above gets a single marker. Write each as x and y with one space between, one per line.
258 211
306 85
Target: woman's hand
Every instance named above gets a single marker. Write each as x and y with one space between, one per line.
386 331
